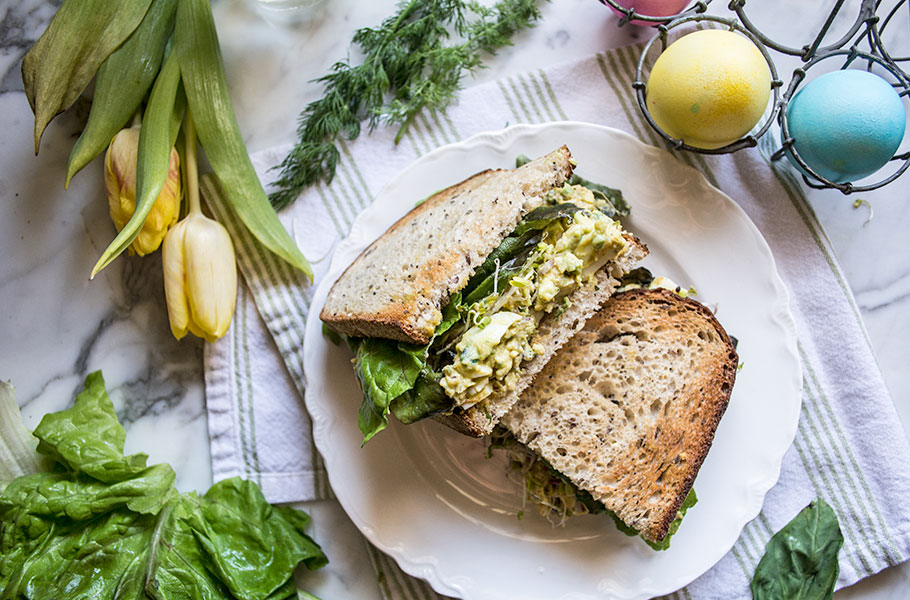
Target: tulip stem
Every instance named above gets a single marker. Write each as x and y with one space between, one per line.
192 168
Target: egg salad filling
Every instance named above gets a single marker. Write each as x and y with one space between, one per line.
495 338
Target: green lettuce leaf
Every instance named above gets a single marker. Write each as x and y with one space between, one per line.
102 558
451 314
386 369
248 547
689 502
425 399
131 535
88 437
800 560
75 496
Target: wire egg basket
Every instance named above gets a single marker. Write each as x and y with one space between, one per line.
862 46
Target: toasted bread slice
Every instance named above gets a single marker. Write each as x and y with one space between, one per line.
554 330
627 410
397 287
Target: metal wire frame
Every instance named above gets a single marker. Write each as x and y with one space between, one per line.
787 144
865 16
874 35
639 85
629 14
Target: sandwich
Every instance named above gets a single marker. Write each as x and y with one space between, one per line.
454 310
622 416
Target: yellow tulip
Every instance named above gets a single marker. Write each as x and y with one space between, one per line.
200 273
120 183
200 277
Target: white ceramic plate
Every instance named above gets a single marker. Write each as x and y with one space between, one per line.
428 496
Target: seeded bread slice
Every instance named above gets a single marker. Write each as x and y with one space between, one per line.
554 330
396 287
627 410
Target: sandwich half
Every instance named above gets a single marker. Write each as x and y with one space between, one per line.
624 414
454 310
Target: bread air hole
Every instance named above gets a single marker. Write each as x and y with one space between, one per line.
605 388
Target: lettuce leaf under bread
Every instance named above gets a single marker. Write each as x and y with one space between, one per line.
386 370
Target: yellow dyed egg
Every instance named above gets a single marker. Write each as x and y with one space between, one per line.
709 88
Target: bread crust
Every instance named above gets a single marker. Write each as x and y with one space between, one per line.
397 287
641 451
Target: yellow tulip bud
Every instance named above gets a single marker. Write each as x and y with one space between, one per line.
120 183
200 277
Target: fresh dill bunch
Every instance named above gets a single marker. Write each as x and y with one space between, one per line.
407 67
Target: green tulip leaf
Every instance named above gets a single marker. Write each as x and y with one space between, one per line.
156 139
79 38
208 99
122 83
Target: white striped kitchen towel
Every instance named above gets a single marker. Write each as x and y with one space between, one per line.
849 449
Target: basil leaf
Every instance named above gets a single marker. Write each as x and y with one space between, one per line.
800 561
425 399
386 369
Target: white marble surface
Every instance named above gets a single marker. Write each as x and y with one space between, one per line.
56 325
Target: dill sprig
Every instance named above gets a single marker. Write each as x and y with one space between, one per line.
406 68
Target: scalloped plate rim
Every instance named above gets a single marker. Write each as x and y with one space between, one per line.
428 567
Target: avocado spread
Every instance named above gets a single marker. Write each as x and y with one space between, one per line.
489 354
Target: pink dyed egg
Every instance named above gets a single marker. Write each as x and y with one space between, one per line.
652 8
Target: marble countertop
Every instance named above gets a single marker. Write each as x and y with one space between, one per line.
56 325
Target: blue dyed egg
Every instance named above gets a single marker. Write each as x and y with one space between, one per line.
846 124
